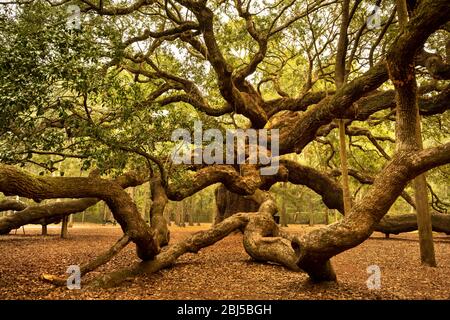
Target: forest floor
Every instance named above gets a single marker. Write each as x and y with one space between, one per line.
222 271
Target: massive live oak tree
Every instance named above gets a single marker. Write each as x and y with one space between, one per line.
111 93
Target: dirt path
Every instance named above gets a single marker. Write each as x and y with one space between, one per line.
223 271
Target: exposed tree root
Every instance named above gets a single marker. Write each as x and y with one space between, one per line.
262 240
92 265
168 256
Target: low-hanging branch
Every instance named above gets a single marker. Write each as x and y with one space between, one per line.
124 210
53 212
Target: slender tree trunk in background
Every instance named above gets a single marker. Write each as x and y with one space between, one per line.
283 214
409 122
70 224
191 204
148 203
199 211
425 228
168 217
183 214
283 217
83 214
65 219
424 224
104 212
402 13
64 227
190 220
311 214
327 219
177 214
44 229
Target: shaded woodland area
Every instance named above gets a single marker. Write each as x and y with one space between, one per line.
358 93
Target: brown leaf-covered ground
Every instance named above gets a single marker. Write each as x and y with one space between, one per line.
222 271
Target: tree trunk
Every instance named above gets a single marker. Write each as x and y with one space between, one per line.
341 76
427 255
157 219
409 135
183 213
316 247
311 213
105 213
44 229
64 227
201 210
283 215
229 203
190 211
177 213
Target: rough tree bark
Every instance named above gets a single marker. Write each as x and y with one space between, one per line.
64 227
402 72
341 75
157 219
